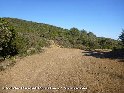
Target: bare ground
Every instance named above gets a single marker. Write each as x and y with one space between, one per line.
64 68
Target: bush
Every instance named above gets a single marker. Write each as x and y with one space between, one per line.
7 36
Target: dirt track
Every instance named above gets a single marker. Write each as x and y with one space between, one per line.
62 67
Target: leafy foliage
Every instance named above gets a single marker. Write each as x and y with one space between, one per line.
122 36
7 36
31 36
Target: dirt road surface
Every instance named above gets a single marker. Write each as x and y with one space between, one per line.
62 70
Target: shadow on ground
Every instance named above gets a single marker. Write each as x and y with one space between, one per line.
117 54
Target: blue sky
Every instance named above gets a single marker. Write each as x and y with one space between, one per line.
102 17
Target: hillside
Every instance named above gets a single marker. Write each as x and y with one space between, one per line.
31 36
63 68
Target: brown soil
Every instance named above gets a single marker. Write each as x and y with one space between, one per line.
64 68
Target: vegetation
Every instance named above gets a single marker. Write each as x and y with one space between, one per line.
122 36
29 37
7 36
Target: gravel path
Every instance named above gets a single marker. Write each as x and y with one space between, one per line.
62 70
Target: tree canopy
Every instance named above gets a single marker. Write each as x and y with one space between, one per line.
122 36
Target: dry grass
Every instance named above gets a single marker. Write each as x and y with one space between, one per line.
62 67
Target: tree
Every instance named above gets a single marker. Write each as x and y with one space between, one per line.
7 36
74 35
92 40
84 37
74 32
122 36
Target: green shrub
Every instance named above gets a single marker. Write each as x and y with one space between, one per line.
7 37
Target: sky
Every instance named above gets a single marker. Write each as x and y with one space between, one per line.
105 18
